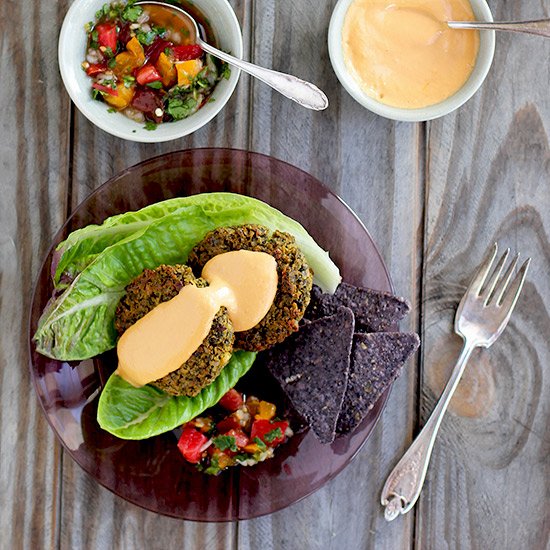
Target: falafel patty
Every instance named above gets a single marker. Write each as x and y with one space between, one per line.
155 286
295 279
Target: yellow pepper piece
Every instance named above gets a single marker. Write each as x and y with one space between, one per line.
167 70
224 461
266 410
126 62
251 448
134 47
187 70
122 100
252 404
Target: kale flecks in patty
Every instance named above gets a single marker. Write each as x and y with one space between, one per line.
155 286
295 279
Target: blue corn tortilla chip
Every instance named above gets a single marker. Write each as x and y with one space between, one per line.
374 310
312 368
376 361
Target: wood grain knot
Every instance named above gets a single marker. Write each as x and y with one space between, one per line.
475 394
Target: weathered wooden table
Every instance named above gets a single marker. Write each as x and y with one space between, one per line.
433 196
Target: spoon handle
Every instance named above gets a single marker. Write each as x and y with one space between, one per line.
540 27
302 92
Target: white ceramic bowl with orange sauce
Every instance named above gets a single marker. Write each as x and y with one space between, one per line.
481 68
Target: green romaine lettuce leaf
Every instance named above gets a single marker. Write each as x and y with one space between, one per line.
83 245
79 323
138 413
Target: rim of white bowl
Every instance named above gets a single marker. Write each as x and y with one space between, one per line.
484 61
118 124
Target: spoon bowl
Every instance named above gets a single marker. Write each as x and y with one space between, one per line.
304 93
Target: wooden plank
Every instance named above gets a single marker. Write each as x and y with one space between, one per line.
33 157
376 166
488 176
91 516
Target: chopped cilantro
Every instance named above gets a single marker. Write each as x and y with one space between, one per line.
96 94
111 110
146 38
108 52
211 99
271 436
157 85
105 9
108 11
150 125
226 71
94 36
261 445
168 52
131 13
111 63
200 81
241 457
179 108
214 468
223 442
128 81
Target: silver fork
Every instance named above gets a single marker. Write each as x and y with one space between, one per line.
482 315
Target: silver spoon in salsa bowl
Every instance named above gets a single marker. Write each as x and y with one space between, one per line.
302 92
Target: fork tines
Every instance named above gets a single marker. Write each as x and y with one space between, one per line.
495 289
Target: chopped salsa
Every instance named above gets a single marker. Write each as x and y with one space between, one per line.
144 63
238 431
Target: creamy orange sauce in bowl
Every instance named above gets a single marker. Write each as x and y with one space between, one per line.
399 58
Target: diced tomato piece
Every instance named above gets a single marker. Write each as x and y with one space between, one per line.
106 89
96 68
185 53
190 444
147 74
107 35
229 423
268 432
241 439
232 400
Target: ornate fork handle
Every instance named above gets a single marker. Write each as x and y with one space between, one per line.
404 484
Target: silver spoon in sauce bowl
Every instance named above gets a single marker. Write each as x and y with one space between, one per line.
540 27
302 92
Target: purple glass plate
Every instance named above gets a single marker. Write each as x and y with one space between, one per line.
151 473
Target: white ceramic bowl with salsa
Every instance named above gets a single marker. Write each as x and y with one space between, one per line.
344 69
72 52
